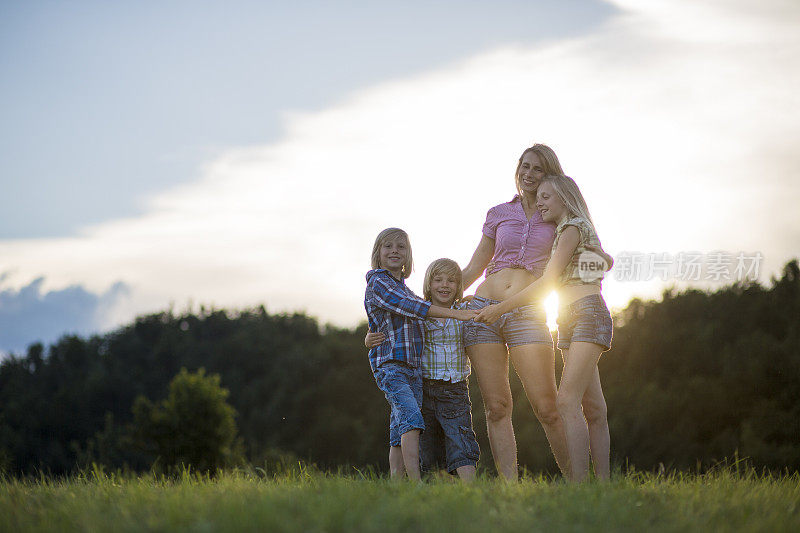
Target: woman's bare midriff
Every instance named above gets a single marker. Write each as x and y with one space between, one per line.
507 282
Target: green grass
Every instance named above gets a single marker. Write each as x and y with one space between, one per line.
310 501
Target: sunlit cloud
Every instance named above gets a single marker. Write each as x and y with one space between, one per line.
678 119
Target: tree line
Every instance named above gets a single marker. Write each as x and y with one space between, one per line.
691 380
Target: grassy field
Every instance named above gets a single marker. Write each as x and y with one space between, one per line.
309 501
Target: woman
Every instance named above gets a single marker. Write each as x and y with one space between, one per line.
515 247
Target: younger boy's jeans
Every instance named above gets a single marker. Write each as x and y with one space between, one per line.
449 441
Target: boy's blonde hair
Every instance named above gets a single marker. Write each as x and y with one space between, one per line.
548 159
569 193
442 266
390 234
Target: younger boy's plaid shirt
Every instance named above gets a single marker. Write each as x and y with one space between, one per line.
394 310
443 356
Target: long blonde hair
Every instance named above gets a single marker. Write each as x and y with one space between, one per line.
569 193
390 234
442 266
548 159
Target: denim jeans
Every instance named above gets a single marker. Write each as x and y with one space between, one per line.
402 386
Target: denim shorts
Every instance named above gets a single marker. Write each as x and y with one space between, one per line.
523 325
586 319
402 386
449 440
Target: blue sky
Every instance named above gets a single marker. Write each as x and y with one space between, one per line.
158 154
105 103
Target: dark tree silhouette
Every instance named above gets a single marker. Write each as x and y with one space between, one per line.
696 377
193 426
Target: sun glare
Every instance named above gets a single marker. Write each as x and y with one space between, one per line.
551 308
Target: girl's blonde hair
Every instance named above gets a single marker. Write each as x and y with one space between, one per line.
447 267
548 159
569 193
390 234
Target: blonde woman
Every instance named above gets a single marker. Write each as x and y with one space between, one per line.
513 250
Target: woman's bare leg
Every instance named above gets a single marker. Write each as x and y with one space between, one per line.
490 363
535 365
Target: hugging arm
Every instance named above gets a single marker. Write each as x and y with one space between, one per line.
384 296
458 314
480 260
372 340
561 257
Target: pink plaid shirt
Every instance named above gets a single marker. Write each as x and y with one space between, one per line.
519 242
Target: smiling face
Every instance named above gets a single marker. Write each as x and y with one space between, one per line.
442 283
549 204
530 173
444 289
394 254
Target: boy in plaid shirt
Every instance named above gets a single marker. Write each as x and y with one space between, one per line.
396 312
449 439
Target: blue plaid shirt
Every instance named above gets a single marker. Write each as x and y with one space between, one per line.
394 310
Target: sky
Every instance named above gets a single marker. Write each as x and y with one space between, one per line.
167 156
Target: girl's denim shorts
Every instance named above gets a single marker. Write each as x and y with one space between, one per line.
586 319
523 325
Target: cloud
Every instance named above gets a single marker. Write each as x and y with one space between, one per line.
679 120
29 314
